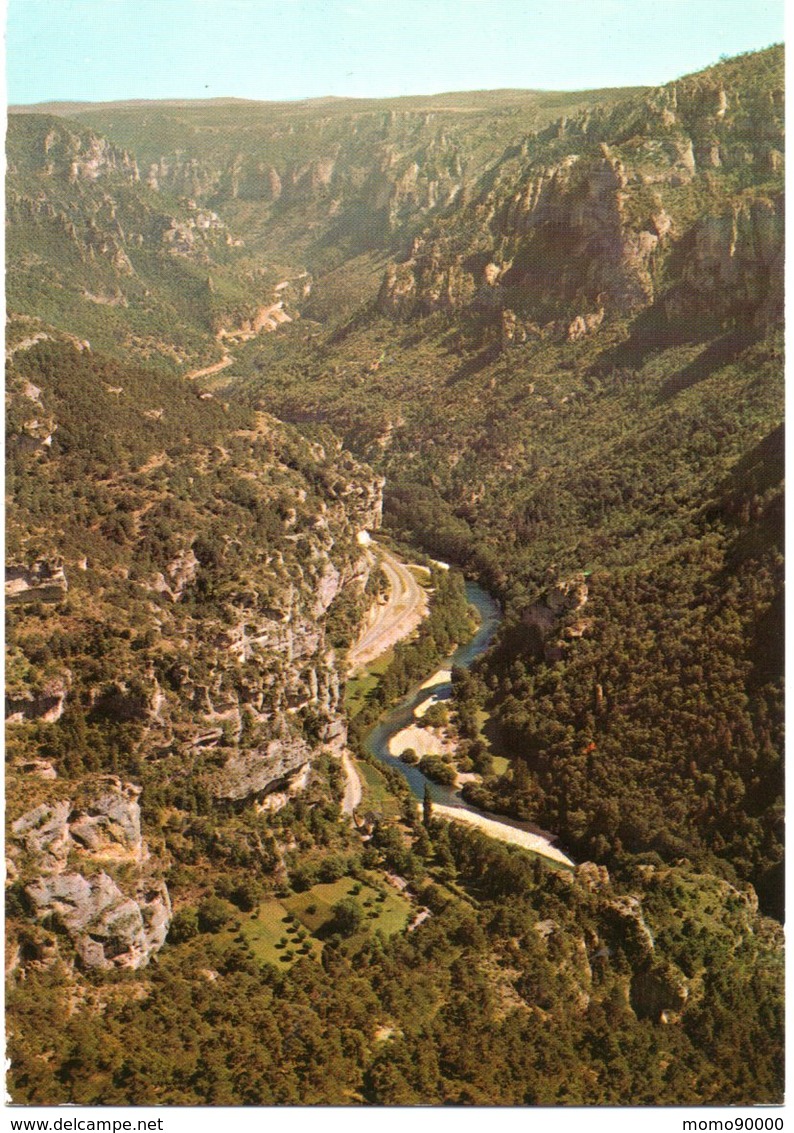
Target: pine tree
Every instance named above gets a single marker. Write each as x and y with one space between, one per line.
427 806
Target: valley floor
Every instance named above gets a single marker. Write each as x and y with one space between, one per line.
404 608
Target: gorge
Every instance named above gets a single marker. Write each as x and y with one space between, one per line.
535 336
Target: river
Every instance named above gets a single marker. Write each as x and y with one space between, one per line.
377 742
447 800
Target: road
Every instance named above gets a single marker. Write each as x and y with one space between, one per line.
216 368
392 620
404 608
352 796
387 623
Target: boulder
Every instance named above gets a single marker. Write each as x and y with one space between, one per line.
44 834
109 825
109 927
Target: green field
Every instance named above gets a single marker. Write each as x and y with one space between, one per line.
358 687
377 796
281 932
383 907
273 939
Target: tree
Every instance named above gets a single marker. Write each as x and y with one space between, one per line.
213 913
427 806
348 916
184 926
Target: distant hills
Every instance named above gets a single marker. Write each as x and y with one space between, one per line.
469 99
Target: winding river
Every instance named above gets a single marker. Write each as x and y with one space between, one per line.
447 801
377 742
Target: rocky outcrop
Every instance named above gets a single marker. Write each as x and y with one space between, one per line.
55 849
108 824
43 833
595 214
43 701
734 265
107 928
78 155
35 434
424 284
585 324
556 614
96 157
254 774
181 572
327 588
636 938
43 579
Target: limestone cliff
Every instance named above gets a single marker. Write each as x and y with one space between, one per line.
675 197
86 870
179 627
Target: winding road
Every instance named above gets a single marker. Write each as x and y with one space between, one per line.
387 623
392 620
216 368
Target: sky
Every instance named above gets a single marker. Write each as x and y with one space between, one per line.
101 50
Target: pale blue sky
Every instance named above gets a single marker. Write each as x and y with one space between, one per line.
284 49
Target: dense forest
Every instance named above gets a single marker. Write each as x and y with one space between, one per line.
524 986
617 483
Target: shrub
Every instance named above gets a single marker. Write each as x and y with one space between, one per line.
184 926
434 767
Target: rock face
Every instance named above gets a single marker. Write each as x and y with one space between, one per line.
79 196
243 677
556 614
256 774
42 579
108 825
44 702
44 834
595 214
112 924
180 573
224 680
82 156
624 940
424 283
108 929
735 265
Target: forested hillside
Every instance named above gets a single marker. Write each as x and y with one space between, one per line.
535 335
149 275
574 385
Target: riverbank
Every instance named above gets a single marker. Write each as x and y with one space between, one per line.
400 729
505 831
